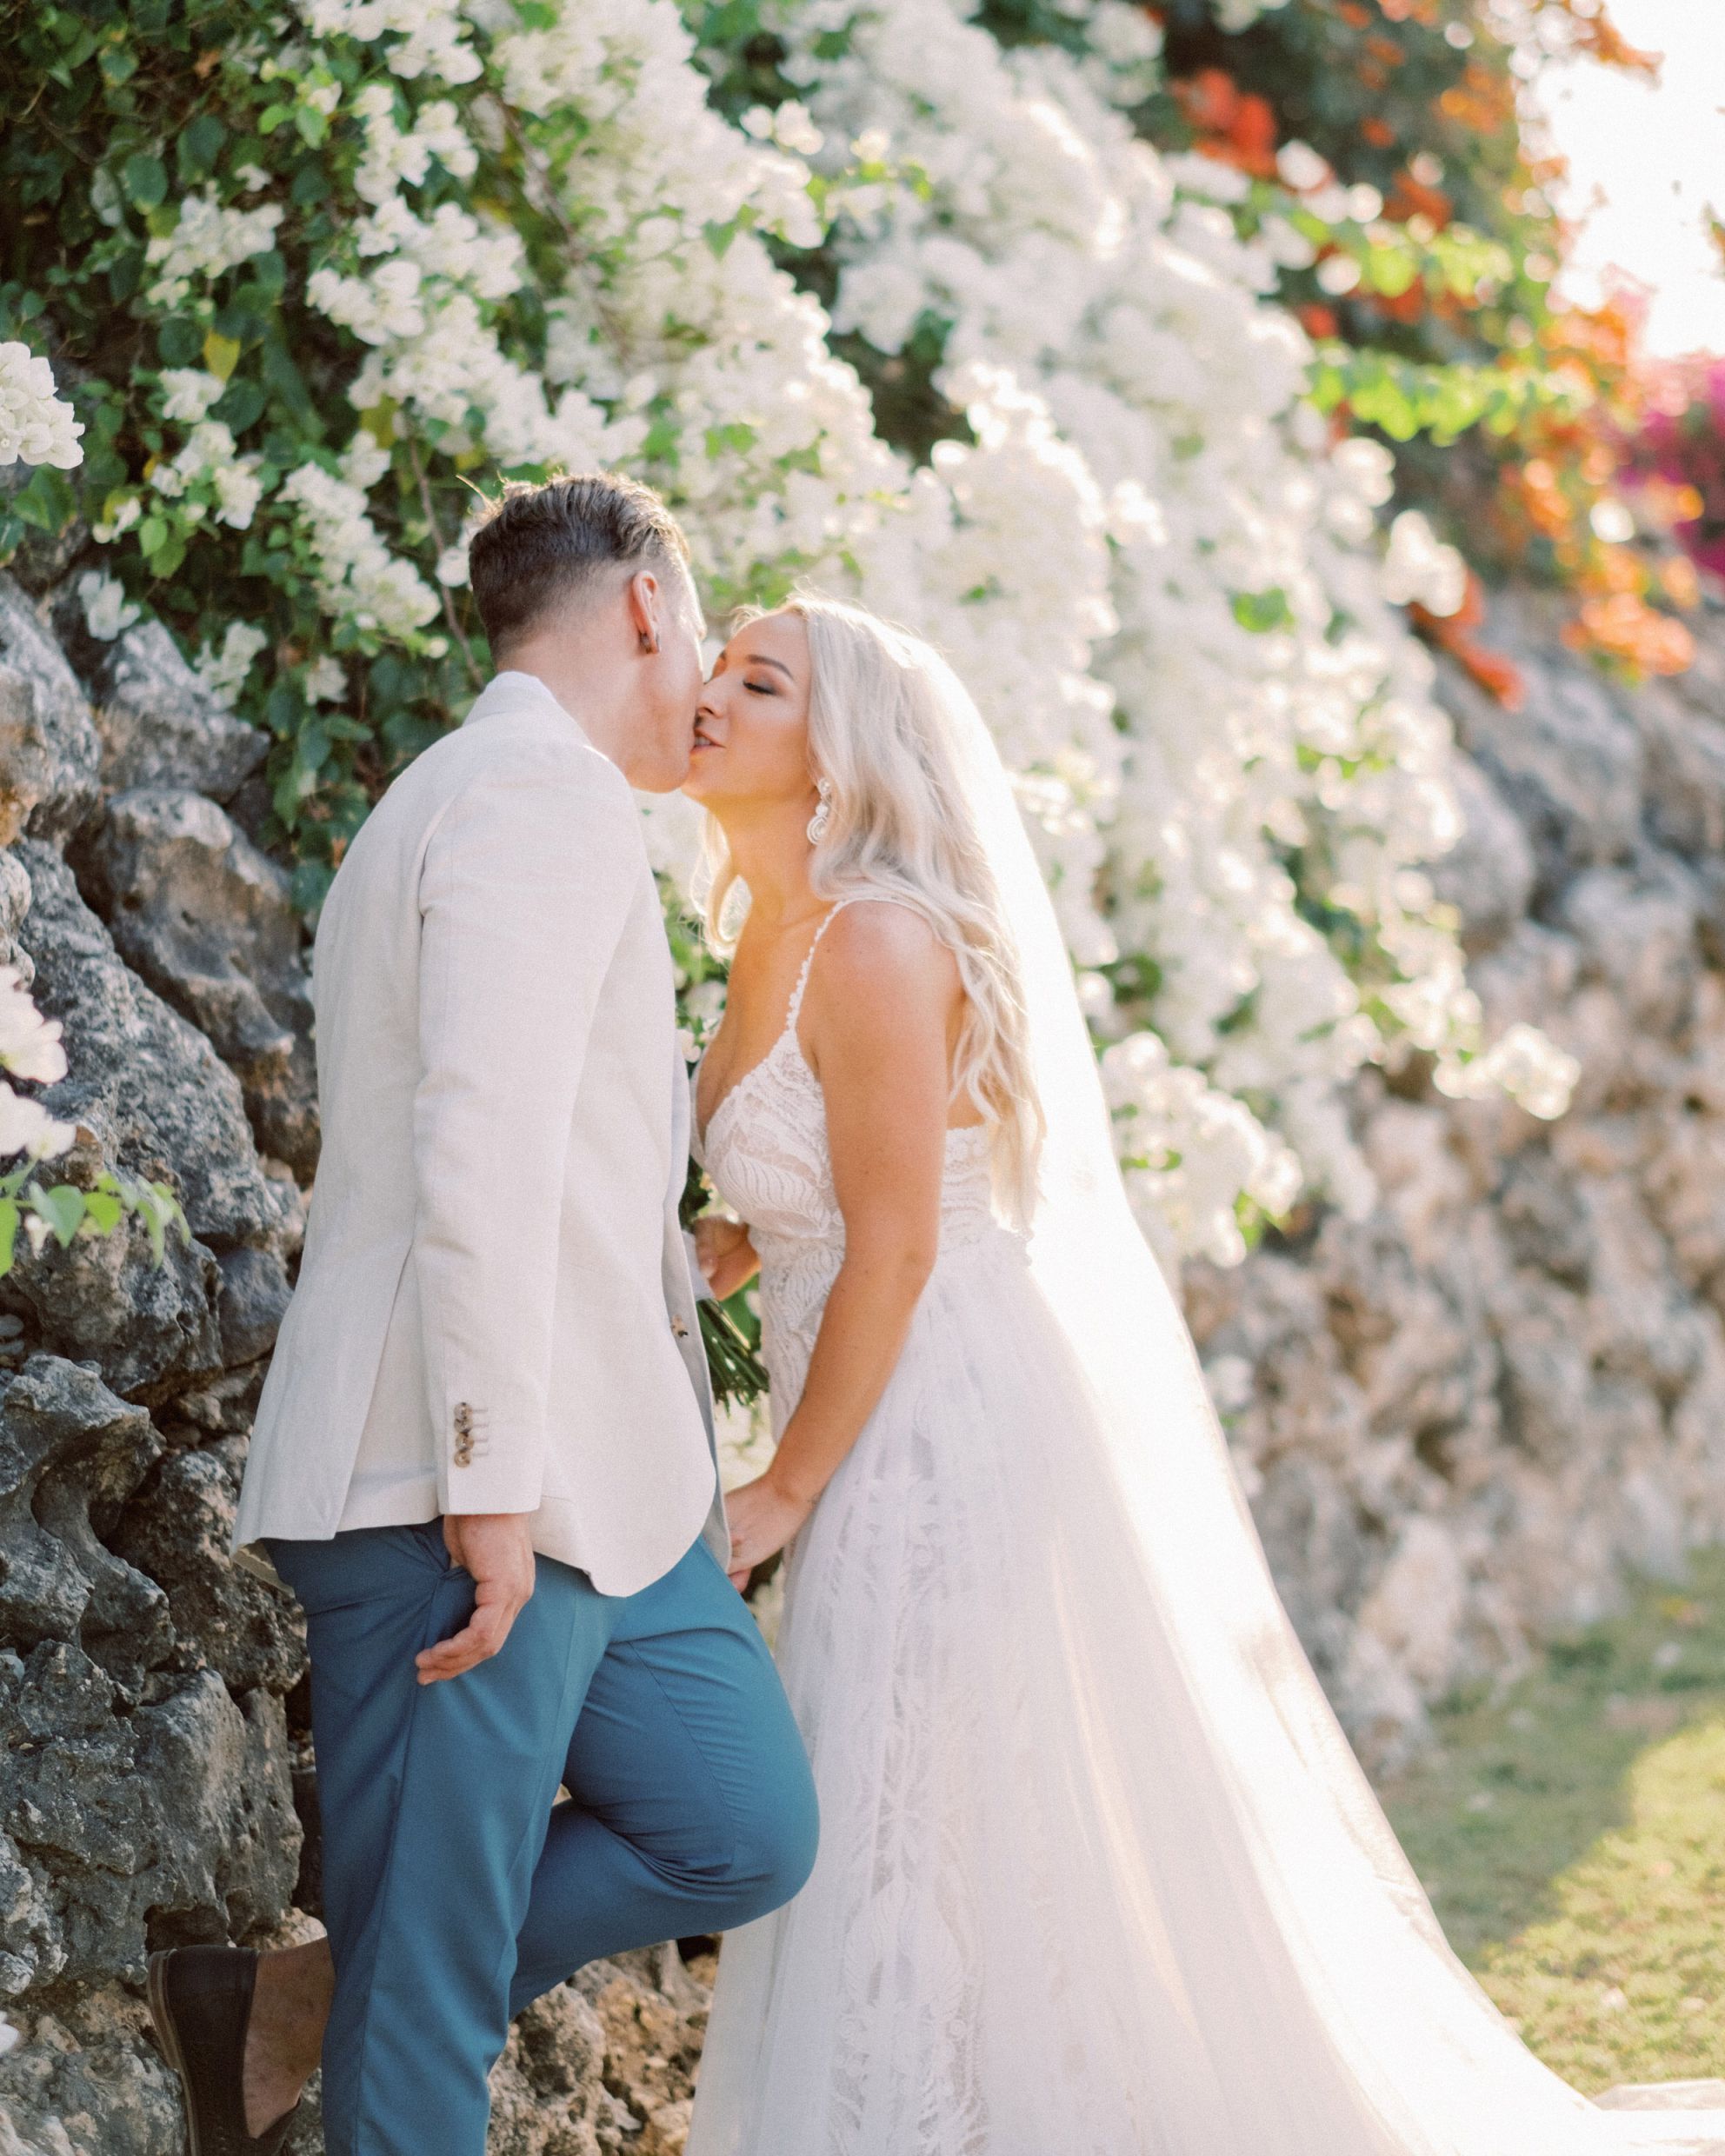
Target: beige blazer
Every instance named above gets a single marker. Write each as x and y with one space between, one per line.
495 1311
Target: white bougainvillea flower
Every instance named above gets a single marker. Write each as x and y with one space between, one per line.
1168 589
188 392
107 611
325 682
29 1044
1420 570
37 427
223 669
208 239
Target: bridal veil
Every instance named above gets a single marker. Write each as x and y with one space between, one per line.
1386 2044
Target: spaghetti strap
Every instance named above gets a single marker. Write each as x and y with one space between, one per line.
797 993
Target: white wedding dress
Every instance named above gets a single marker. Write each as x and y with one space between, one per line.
1085 1887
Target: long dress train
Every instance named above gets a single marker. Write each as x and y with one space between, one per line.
1084 1887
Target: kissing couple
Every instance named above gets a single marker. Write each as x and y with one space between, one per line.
1097 1874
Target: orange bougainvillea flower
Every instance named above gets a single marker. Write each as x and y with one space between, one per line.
1680 580
1232 125
1499 676
1407 306
1541 498
1317 320
1409 197
1624 626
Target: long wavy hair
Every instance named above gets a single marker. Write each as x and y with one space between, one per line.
880 732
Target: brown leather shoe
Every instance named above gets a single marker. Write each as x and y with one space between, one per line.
200 2000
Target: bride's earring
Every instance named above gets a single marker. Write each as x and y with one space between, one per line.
822 816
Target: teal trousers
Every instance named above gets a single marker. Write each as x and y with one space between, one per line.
456 1887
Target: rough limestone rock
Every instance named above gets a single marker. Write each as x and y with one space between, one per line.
157 1785
140 1801
209 921
157 1103
1460 1419
50 750
160 726
1473 1411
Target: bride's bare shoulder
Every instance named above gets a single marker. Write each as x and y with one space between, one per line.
879 949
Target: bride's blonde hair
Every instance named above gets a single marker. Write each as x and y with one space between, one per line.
899 827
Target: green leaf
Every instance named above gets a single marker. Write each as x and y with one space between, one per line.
48 501
200 144
736 434
103 1209
10 1217
1261 611
179 341
159 1209
286 380
145 180
240 406
62 1207
117 65
312 882
167 556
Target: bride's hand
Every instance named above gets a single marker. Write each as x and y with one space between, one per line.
762 1520
725 1253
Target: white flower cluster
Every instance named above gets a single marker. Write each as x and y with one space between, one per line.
1271 703
1238 15
30 1049
1168 591
36 426
207 239
107 611
1419 570
394 157
359 580
209 469
432 38
222 667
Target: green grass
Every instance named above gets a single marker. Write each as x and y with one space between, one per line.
1571 1834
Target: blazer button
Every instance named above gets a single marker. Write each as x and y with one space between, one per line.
679 1327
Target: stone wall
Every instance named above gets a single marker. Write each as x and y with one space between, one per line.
156 1787
1461 1418
1472 1412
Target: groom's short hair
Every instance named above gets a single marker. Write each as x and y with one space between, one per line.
540 546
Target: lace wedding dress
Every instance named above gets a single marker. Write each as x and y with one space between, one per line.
1043 1920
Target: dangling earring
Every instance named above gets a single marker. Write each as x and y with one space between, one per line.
823 814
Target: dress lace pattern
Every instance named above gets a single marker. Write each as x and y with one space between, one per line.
765 1148
916 2000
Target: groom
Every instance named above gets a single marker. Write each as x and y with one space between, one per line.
483 1459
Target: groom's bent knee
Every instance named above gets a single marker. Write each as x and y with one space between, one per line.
776 1844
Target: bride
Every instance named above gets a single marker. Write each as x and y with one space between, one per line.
1099 1875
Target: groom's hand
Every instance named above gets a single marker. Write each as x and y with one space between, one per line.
495 1547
